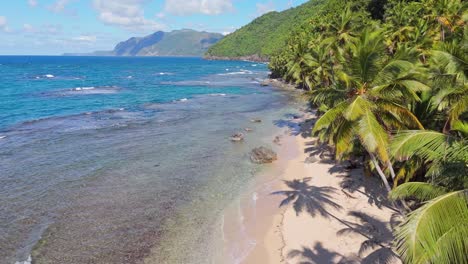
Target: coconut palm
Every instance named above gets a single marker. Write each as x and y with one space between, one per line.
436 232
445 156
449 70
378 89
298 68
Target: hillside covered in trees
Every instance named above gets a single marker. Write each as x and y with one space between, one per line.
267 34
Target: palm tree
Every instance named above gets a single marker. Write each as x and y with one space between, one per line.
378 90
436 232
320 64
444 156
298 66
449 70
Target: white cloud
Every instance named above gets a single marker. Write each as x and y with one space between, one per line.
28 28
32 3
3 21
85 38
127 14
206 7
160 15
47 29
58 6
4 24
265 8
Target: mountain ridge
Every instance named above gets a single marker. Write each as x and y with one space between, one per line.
183 42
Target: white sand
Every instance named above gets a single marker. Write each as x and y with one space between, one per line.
333 216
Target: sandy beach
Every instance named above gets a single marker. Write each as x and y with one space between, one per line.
307 209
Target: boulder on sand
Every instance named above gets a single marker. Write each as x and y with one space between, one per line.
277 140
262 155
237 137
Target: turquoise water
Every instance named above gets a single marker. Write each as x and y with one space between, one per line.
125 160
39 87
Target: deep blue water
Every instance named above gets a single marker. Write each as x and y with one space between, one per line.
120 160
39 87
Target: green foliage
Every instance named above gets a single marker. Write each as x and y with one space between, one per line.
373 73
268 34
435 232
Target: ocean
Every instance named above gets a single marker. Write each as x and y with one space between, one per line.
126 160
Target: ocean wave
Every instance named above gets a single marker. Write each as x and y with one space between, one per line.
218 94
165 73
55 77
28 261
85 90
241 72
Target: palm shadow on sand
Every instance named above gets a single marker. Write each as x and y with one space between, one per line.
318 254
377 247
308 198
302 128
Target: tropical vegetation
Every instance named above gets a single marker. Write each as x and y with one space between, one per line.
389 82
267 34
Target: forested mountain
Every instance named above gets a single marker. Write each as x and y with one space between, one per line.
267 34
185 42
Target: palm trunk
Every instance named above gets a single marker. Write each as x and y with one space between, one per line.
390 167
380 172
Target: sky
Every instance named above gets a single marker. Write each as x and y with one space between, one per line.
53 27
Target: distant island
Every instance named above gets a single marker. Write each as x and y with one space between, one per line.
185 42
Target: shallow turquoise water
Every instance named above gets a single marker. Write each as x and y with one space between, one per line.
114 160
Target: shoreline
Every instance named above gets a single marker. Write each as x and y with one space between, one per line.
350 209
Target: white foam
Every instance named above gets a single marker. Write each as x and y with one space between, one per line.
83 88
165 73
28 261
129 77
254 65
49 76
218 94
2 137
241 72
183 100
254 197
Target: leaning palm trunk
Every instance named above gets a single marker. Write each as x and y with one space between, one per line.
383 177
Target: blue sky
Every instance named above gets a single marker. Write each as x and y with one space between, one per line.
52 27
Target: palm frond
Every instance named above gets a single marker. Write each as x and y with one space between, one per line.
423 237
426 144
358 107
330 116
372 135
420 190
